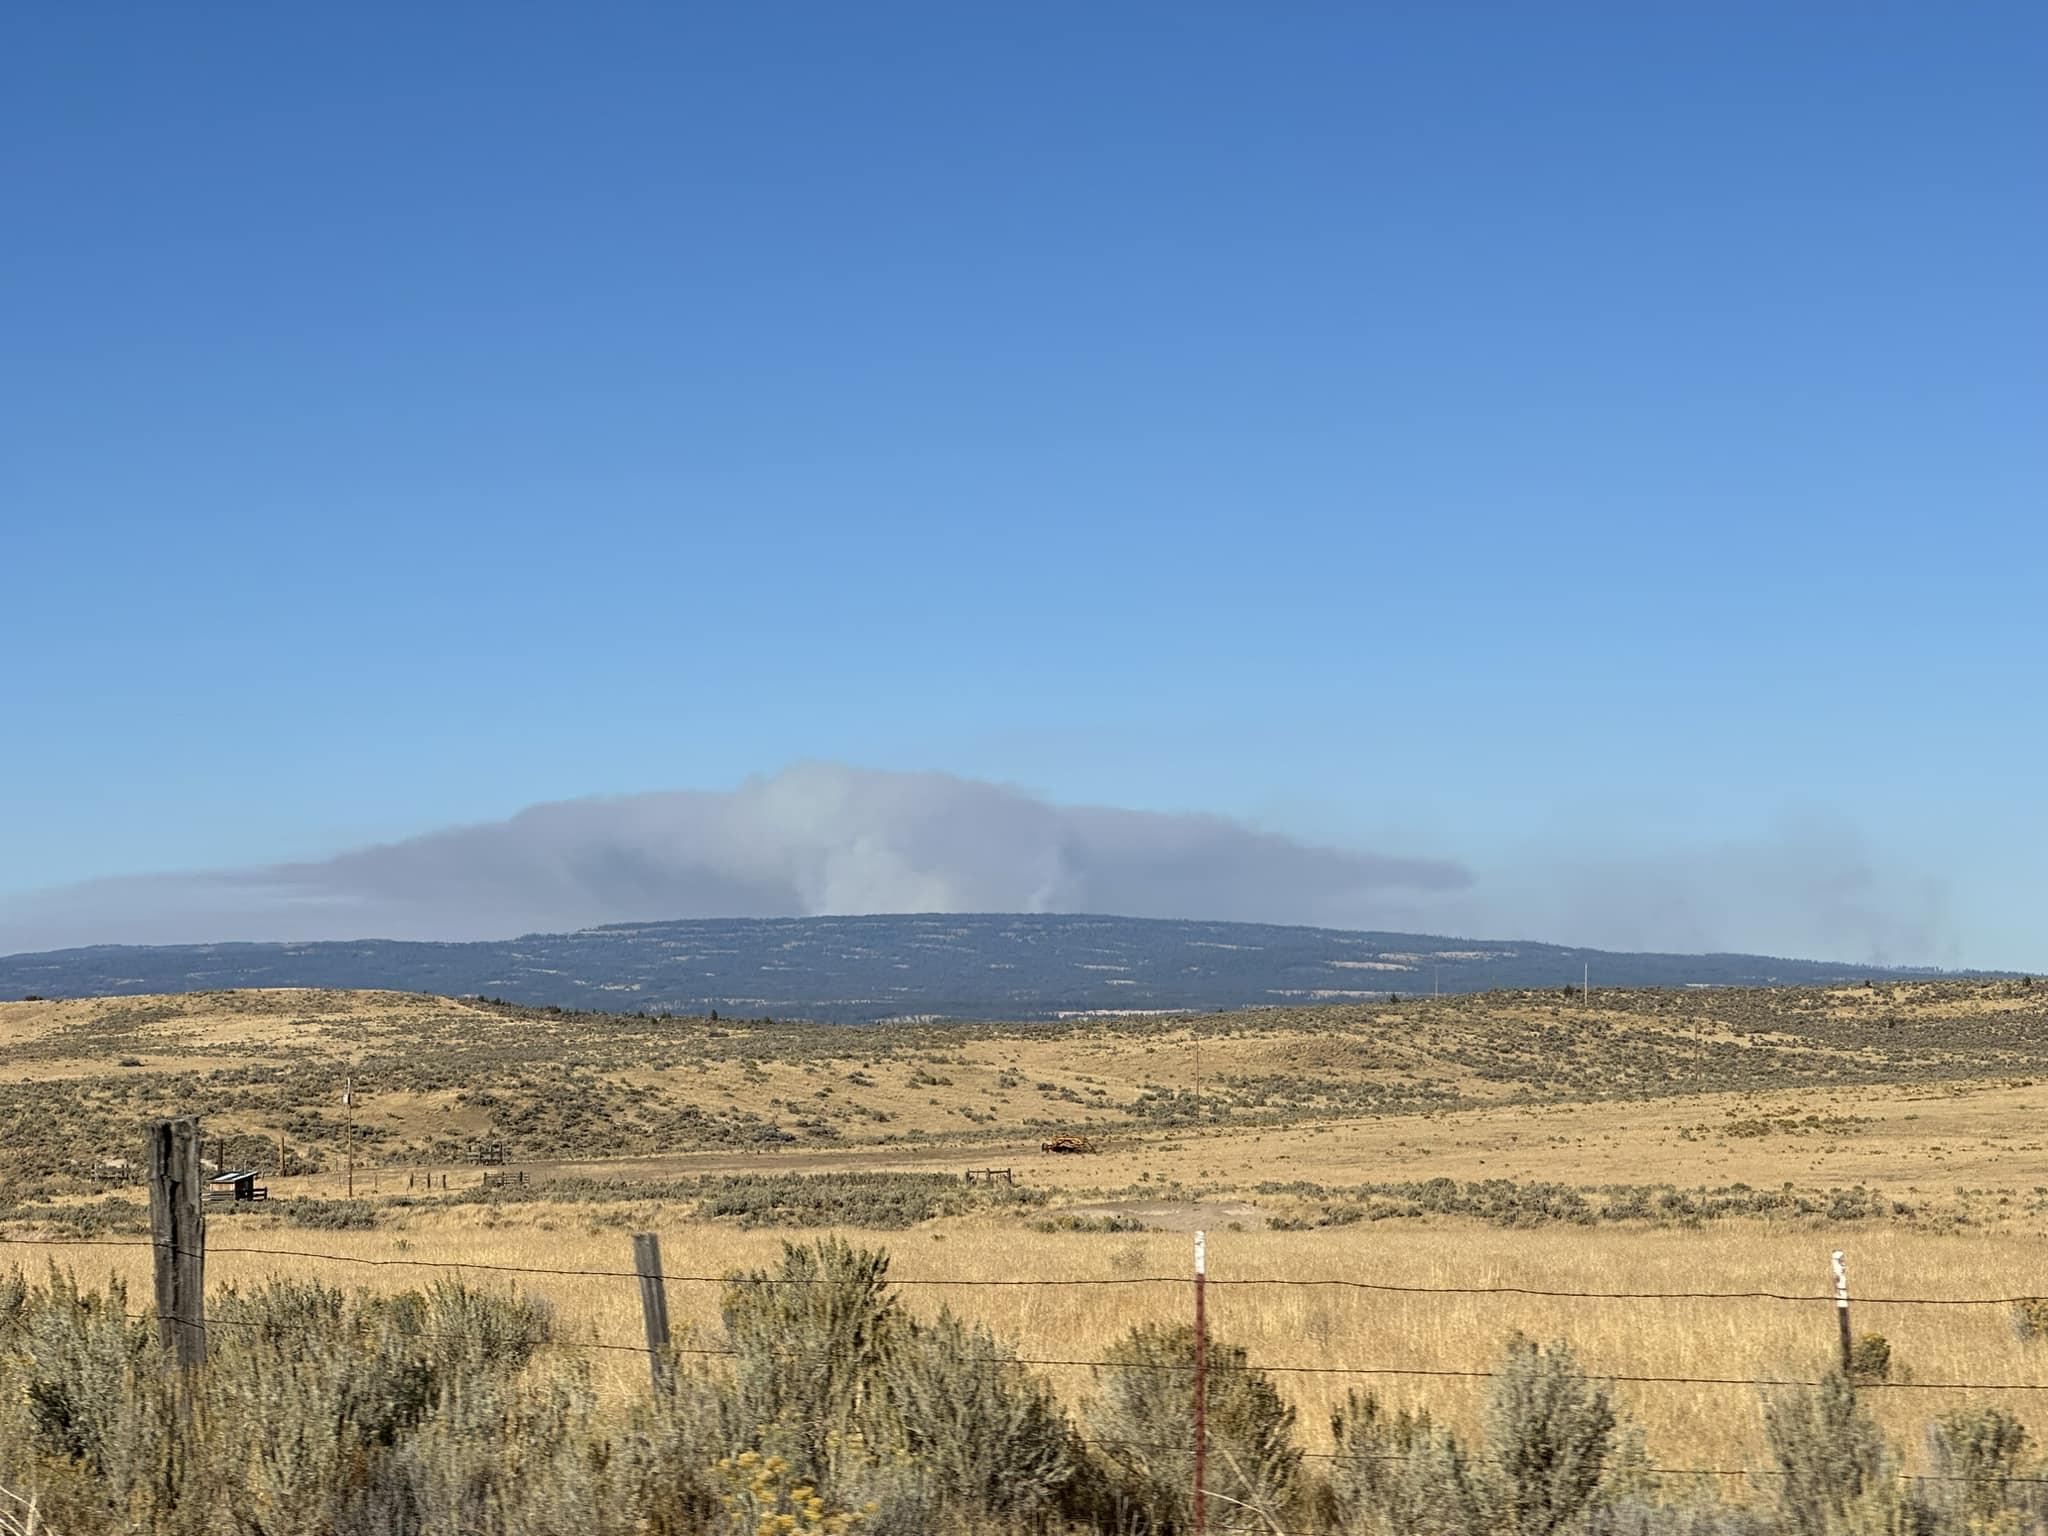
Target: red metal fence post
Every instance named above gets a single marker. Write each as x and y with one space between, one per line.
1201 1387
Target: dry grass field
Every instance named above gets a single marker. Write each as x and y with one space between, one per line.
1280 1326
1648 1142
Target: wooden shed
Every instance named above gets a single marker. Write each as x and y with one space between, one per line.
235 1186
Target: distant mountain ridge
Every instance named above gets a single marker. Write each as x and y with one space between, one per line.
864 969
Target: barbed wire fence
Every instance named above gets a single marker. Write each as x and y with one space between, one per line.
178 1251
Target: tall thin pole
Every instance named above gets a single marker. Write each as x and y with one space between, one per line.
1201 1386
1196 1031
1586 985
348 1134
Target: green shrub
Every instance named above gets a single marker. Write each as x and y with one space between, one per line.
310 1403
1402 1475
464 1332
1139 1418
1555 1460
993 1438
86 1415
1835 1474
1549 1434
502 1456
330 1215
1975 1454
1870 1357
812 1339
2030 1318
1694 1513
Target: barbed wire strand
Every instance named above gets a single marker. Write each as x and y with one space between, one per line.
1046 1282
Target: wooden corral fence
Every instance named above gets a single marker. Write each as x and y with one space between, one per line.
510 1178
989 1175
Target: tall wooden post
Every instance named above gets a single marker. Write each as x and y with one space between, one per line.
653 1306
348 1132
177 1227
1201 1386
1842 1310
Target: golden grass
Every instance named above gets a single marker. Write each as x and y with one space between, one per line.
1918 1142
1686 1425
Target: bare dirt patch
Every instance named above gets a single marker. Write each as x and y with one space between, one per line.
1178 1215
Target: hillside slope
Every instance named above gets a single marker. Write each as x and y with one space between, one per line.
862 969
435 1076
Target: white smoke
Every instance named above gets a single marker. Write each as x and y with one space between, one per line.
817 838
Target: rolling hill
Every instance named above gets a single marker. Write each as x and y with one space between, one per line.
863 969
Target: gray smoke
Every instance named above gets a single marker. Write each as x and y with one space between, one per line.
817 838
822 838
1809 886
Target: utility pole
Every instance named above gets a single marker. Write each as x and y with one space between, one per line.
348 1134
1586 986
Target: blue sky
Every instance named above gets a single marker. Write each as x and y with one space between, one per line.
1562 440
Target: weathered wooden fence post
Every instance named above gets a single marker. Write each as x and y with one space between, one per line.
177 1227
653 1306
1842 1311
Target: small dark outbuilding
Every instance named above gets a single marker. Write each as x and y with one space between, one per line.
235 1186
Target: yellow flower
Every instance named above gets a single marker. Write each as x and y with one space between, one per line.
748 1458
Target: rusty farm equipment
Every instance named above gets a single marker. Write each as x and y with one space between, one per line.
1069 1144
